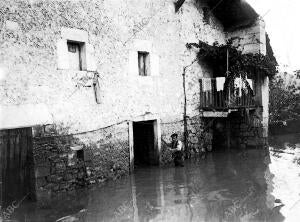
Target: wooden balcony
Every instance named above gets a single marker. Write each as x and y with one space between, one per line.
213 98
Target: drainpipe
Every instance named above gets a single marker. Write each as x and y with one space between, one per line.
185 130
185 133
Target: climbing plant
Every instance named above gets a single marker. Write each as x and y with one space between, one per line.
226 60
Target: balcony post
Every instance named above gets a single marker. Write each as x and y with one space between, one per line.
213 92
201 94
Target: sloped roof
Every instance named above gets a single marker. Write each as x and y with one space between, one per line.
270 52
232 14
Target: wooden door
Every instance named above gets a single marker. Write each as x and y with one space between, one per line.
17 167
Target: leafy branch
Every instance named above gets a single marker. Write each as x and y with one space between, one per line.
227 60
216 56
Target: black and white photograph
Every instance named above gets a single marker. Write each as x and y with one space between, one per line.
149 111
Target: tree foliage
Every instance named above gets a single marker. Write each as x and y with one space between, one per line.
284 100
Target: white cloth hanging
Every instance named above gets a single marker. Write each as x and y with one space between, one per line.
206 83
220 83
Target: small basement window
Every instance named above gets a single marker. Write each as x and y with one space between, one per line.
144 63
80 155
75 50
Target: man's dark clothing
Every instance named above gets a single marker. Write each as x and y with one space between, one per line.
178 154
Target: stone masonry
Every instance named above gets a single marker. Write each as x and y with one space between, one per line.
59 168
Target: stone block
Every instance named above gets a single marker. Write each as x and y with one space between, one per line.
193 130
42 171
54 178
40 182
68 176
64 186
49 186
194 140
88 155
12 25
60 166
55 187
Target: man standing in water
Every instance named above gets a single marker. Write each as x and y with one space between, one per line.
176 146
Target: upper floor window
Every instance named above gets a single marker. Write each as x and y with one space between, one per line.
75 50
144 63
143 60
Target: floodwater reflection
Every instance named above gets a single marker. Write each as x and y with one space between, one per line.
285 166
225 186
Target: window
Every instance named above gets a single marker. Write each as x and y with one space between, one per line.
75 50
144 63
80 155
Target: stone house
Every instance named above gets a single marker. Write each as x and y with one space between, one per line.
89 88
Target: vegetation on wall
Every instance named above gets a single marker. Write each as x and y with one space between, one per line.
226 60
216 56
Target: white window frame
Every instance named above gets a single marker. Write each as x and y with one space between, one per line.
87 50
147 47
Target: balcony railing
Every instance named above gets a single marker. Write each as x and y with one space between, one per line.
212 96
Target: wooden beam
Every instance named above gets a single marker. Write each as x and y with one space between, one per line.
178 4
214 114
131 151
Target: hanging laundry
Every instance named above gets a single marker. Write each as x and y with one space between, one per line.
206 83
250 81
220 83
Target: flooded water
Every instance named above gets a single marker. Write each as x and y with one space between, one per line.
227 186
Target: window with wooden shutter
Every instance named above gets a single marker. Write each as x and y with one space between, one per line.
144 63
75 55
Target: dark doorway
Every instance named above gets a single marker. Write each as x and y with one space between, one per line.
16 169
144 145
219 140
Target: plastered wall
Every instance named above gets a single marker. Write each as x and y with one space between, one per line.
115 31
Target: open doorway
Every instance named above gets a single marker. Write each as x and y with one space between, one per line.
145 143
219 138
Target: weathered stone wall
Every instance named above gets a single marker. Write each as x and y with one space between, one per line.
246 130
251 39
57 167
54 169
106 152
199 134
